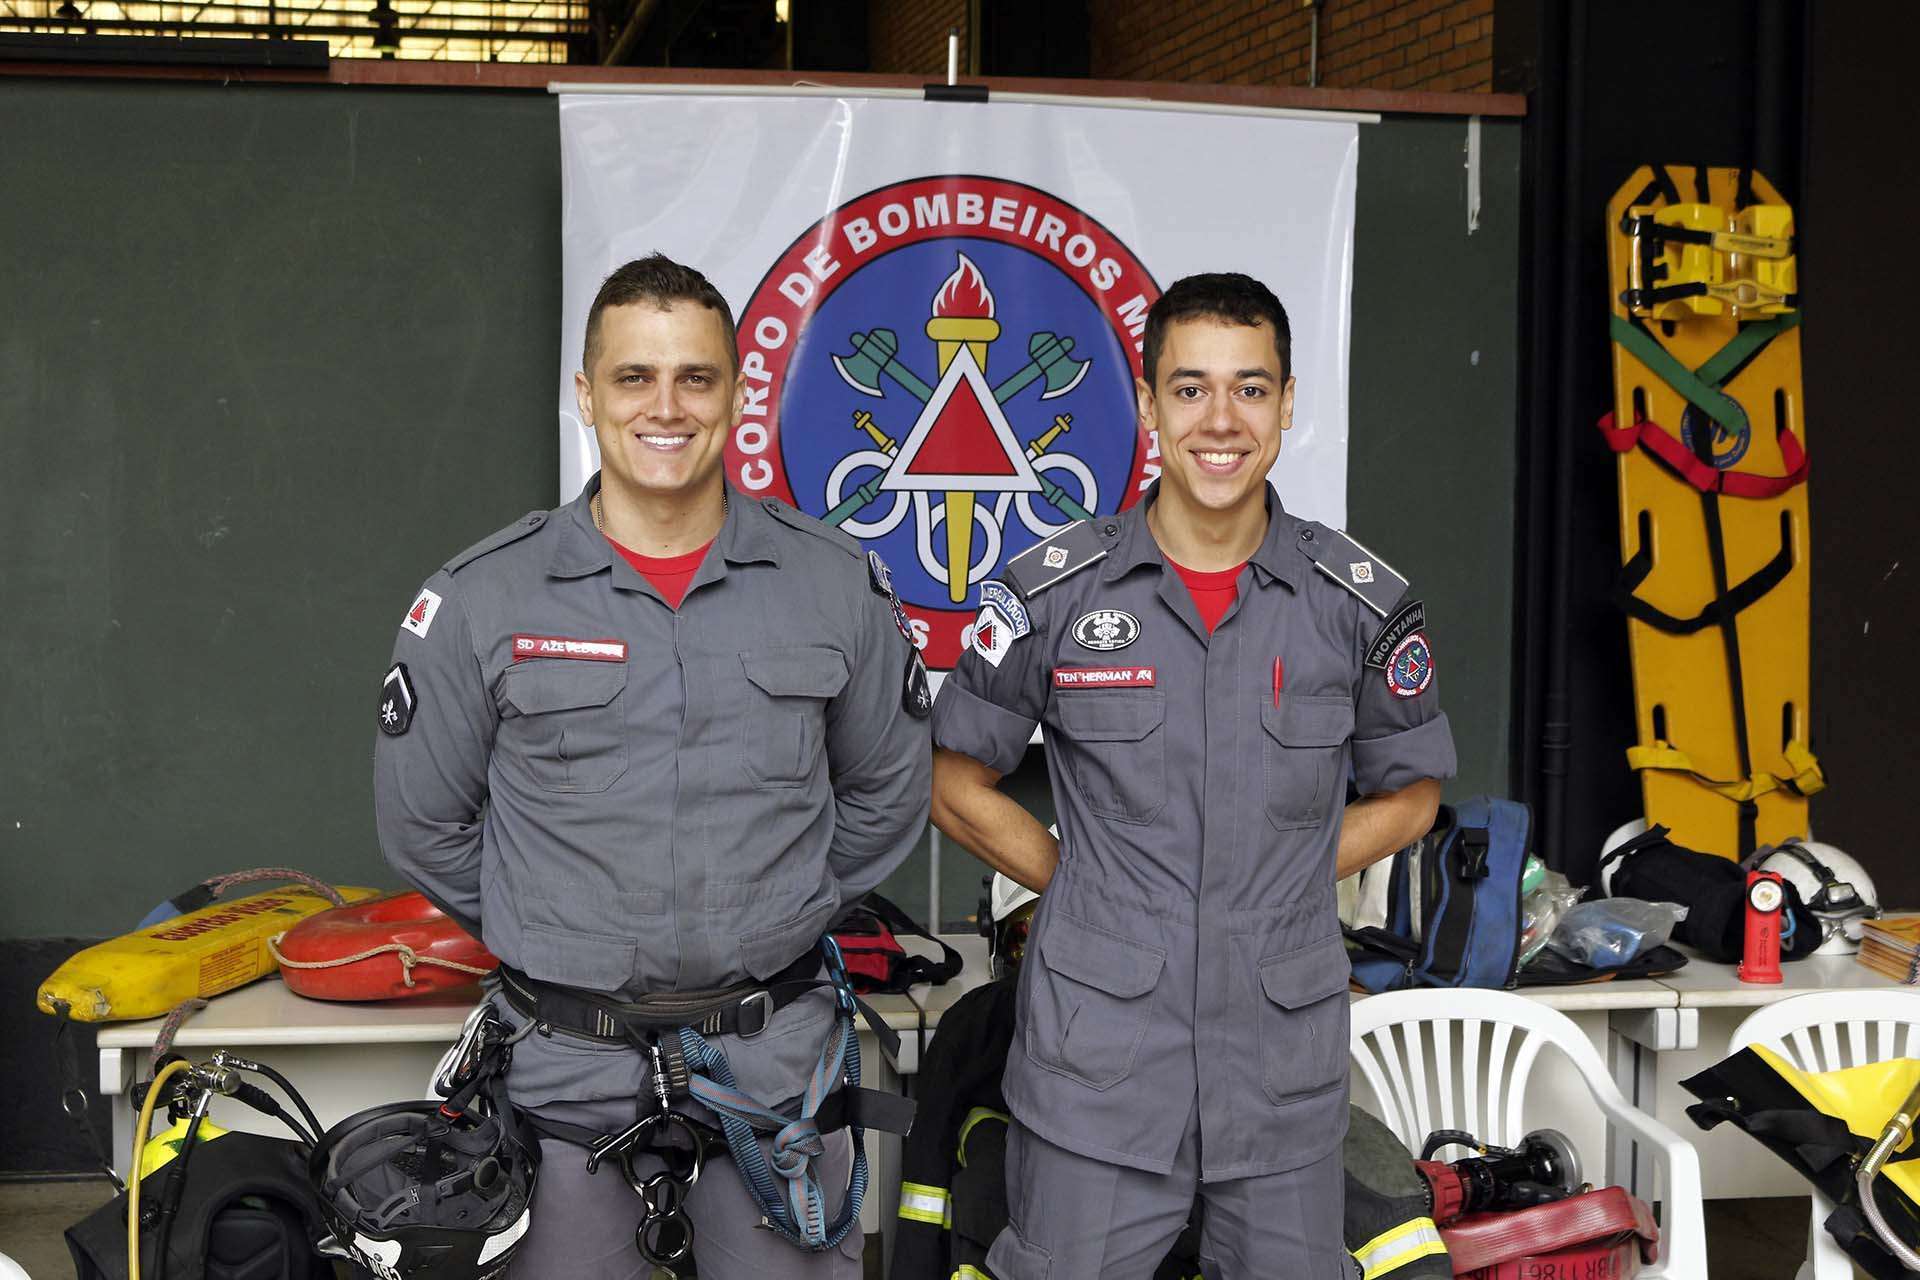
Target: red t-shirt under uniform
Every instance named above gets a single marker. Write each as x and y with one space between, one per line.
670 575
1213 593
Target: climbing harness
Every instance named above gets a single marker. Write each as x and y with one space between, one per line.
673 1033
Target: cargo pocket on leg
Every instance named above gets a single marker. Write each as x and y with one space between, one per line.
1013 1258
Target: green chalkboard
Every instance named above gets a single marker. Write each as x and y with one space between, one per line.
270 354
267 356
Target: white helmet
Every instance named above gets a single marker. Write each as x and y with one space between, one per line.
1621 834
11 1270
1009 896
1835 888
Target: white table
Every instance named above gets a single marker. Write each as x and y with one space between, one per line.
1650 1031
346 1057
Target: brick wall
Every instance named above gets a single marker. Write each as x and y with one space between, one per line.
1431 45
909 37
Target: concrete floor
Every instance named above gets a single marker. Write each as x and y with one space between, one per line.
1746 1239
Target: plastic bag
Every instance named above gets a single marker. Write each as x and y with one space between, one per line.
1541 910
1608 933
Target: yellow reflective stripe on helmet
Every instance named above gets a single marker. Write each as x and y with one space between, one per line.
1391 1250
921 1203
974 1117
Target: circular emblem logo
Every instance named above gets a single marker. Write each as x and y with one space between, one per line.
1410 669
1728 446
944 369
1106 629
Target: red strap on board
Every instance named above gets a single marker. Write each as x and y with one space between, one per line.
1667 447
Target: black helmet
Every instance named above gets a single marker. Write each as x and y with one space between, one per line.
420 1189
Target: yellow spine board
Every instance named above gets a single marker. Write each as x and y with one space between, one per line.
202 953
1683 684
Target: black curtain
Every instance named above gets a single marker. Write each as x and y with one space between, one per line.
1613 84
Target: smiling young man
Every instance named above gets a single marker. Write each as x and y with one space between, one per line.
1209 671
645 746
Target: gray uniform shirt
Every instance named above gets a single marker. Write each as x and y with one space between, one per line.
1187 951
618 795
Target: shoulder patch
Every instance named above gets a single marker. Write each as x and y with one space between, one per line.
1409 618
519 529
805 523
1354 567
1054 559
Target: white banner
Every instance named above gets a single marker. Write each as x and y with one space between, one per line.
940 304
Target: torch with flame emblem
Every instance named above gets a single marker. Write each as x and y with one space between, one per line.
962 316
961 444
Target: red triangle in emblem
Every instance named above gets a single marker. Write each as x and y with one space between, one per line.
961 442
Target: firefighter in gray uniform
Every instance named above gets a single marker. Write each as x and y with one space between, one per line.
632 784
1208 671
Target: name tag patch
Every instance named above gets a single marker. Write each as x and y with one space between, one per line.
1103 677
525 646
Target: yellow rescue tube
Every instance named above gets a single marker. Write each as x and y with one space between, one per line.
202 953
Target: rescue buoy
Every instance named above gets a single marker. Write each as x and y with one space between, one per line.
395 945
189 957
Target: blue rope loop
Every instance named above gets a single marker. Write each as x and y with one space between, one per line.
799 1216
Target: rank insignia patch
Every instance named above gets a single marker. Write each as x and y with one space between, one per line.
1055 558
916 698
1104 630
1362 572
1410 669
396 701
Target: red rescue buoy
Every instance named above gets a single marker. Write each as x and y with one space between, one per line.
381 949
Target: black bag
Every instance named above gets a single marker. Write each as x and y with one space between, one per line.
1714 891
247 1212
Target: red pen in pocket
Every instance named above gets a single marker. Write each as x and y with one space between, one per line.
1279 672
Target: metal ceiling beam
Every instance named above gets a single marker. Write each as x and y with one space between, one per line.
637 20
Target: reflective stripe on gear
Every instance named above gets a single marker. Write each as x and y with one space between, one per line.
968 1271
921 1203
974 1117
1391 1250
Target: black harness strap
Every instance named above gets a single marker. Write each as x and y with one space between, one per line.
1720 611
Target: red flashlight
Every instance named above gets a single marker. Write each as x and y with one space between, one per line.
1766 898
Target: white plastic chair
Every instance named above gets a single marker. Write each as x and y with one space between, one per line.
1405 1045
1808 1031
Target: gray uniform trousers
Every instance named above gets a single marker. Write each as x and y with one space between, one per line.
583 1224
1075 1218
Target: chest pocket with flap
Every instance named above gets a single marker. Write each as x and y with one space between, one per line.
1304 737
785 727
1114 743
566 719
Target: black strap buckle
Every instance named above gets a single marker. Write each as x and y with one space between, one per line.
1475 842
756 1011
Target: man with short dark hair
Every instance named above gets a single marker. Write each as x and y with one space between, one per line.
1209 671
646 746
